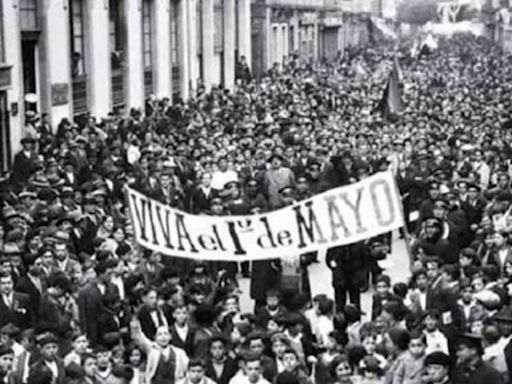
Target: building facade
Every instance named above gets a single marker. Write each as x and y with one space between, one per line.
497 18
67 58
309 29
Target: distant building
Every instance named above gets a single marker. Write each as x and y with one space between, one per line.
496 14
89 57
309 29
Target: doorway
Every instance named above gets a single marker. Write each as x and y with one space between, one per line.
5 137
30 70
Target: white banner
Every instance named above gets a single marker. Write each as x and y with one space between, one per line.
339 216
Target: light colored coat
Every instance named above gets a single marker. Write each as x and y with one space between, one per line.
180 370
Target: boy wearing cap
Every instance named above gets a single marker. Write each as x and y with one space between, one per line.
6 364
437 368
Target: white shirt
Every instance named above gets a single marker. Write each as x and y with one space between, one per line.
436 341
52 365
502 253
8 299
36 281
240 378
156 318
181 331
119 283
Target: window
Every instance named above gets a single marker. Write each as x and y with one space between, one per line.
147 33
174 33
28 15
115 34
76 19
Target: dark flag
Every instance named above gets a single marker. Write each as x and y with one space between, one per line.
391 102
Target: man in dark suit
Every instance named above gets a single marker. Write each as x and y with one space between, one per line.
14 306
49 362
90 299
150 315
32 285
474 205
504 321
202 196
218 365
349 265
24 162
470 367
182 333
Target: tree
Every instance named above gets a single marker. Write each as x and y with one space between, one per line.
417 11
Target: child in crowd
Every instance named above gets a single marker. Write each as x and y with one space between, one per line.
410 368
435 339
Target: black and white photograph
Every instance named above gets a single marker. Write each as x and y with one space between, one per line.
255 191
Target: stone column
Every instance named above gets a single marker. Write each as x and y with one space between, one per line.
229 44
162 49
207 41
98 49
12 46
58 60
183 46
192 45
244 30
134 61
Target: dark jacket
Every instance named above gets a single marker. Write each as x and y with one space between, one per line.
188 344
26 286
230 369
40 367
90 305
18 313
478 373
349 265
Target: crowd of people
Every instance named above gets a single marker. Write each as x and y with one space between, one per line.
81 302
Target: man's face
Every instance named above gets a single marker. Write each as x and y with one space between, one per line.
166 181
434 193
382 288
436 373
61 251
49 351
432 271
256 346
272 302
206 180
103 359
421 281
180 315
81 344
6 362
223 165
6 285
90 367
217 350
290 361
276 163
252 370
465 354
195 374
151 299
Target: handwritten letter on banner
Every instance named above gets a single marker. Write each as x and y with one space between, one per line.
339 216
